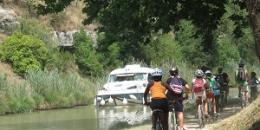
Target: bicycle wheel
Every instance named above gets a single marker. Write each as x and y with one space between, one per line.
175 123
158 125
200 117
242 100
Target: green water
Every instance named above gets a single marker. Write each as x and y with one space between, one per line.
81 118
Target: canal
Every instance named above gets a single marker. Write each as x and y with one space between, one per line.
80 118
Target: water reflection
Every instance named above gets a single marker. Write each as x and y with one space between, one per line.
119 117
82 118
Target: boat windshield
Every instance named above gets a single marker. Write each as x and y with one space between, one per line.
127 77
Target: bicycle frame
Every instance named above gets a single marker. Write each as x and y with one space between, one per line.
158 125
244 99
173 123
201 113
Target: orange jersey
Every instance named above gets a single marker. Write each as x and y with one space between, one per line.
158 90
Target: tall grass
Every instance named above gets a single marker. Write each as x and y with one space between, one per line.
52 89
46 90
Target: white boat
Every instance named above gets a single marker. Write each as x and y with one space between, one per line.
124 85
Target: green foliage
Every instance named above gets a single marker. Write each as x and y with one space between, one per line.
37 29
111 57
23 52
63 61
86 55
225 40
191 44
163 48
57 19
58 90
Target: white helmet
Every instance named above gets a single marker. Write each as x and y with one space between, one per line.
199 73
208 72
157 72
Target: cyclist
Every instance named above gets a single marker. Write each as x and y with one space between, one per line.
157 91
241 78
213 92
253 81
223 81
178 86
199 86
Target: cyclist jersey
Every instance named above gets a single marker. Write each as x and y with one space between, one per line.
213 86
157 90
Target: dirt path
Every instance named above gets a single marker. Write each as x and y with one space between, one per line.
191 122
233 107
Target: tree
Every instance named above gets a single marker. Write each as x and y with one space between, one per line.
86 57
253 7
133 21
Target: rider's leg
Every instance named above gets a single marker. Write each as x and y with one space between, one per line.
205 101
179 111
181 120
214 105
164 120
154 119
239 91
217 103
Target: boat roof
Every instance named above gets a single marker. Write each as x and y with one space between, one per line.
134 68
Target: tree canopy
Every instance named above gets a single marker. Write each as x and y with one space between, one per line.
133 22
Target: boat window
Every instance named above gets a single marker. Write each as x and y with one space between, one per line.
127 77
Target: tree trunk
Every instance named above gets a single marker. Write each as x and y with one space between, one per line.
253 7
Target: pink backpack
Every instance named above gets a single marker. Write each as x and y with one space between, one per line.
198 85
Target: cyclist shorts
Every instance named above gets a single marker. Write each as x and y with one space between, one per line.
160 103
210 94
201 94
178 105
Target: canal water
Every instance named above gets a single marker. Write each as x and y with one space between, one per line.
80 118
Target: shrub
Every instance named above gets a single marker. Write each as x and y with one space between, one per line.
191 44
163 49
23 52
86 56
38 30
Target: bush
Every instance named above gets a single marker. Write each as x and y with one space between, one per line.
163 49
191 44
86 56
38 30
23 52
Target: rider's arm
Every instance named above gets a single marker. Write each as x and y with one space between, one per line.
186 88
147 91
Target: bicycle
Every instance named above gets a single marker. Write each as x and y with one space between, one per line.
173 123
253 91
200 113
156 112
243 98
213 116
223 100
158 125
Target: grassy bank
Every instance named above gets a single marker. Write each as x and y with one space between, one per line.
242 120
45 90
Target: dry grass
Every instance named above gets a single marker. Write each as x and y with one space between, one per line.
8 71
240 121
71 19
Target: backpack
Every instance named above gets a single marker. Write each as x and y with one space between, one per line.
176 85
241 75
198 85
219 79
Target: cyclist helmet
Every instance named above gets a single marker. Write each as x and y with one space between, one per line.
157 74
241 63
208 73
199 73
174 71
